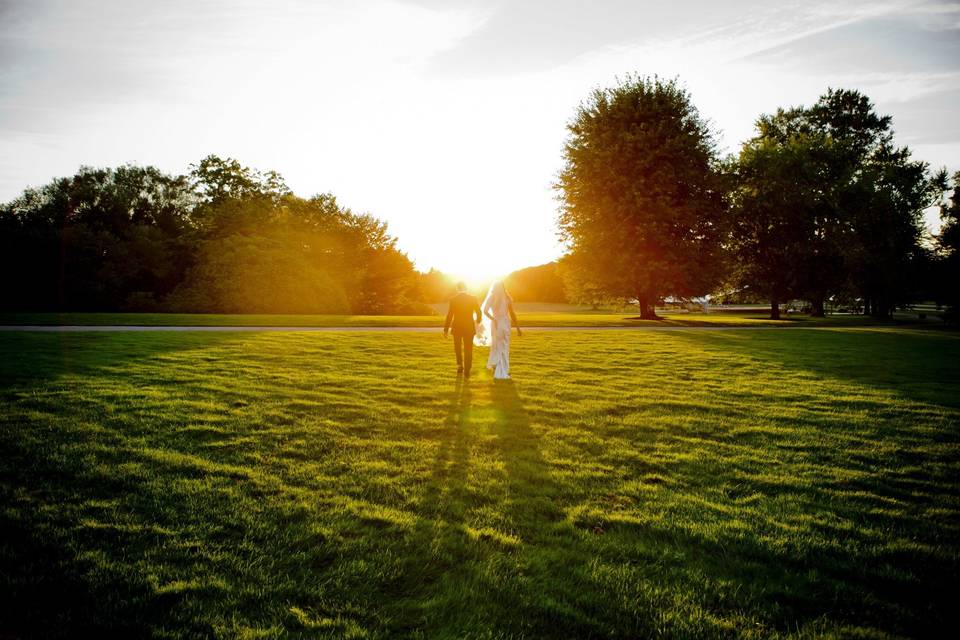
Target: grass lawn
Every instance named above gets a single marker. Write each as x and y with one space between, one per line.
531 315
625 484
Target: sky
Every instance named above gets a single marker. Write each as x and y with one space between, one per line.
445 118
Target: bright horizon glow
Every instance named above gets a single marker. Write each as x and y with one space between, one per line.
445 118
478 277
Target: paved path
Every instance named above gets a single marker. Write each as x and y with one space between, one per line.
99 328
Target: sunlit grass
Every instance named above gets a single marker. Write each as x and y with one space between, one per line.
694 484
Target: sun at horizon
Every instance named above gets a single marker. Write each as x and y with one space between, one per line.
476 254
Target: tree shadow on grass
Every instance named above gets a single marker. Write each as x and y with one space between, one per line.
69 542
509 563
27 358
748 581
59 570
920 365
919 435
46 594
878 474
545 573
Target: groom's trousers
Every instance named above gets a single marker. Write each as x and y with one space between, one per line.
463 346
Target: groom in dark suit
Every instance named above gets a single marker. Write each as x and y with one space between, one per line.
463 308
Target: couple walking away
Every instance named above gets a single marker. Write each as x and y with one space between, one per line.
492 327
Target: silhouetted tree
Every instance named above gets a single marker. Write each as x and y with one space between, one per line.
232 197
771 205
226 238
826 206
104 239
640 194
216 179
871 223
948 245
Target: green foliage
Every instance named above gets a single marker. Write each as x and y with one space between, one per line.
225 239
948 243
95 241
581 286
826 206
257 274
769 214
641 198
218 180
542 283
437 286
696 484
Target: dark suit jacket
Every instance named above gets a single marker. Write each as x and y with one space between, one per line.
463 307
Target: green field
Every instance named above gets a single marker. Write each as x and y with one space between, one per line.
793 483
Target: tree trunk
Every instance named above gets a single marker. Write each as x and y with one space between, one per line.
647 310
774 309
881 309
818 311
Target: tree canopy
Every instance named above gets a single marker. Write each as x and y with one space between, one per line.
820 205
536 284
641 194
826 206
224 238
948 246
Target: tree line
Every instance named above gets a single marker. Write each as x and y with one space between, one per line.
819 205
222 238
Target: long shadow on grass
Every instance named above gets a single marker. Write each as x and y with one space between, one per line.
444 495
27 358
900 585
432 553
509 561
923 366
552 596
59 572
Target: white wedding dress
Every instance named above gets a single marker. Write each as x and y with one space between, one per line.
496 332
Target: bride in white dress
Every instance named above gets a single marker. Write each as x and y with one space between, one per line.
494 330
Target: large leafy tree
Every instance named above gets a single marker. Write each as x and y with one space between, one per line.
217 179
641 194
887 259
232 197
772 203
874 196
826 205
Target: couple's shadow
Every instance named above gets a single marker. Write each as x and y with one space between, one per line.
447 481
510 416
490 415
